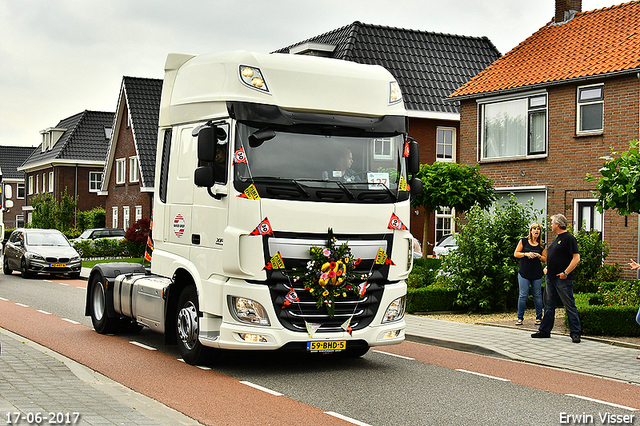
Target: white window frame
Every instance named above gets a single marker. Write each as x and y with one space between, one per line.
18 186
37 183
19 221
134 176
580 103
95 184
439 143
443 214
382 154
30 185
114 217
121 170
126 217
534 103
44 183
51 181
138 213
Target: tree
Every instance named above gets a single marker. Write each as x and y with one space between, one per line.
619 186
51 214
452 185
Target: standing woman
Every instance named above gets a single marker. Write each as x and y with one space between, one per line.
531 253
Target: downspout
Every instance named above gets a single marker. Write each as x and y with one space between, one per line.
75 197
638 248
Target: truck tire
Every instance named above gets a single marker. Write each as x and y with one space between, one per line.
98 306
187 326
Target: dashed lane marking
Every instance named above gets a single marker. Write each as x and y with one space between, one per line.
396 355
71 321
624 407
345 418
483 375
142 345
253 385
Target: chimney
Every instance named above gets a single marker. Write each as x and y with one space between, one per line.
567 9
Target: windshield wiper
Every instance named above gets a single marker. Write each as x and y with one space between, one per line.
279 179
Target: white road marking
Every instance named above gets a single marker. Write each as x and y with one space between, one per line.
483 375
603 402
143 346
22 304
44 312
345 418
70 320
397 356
253 385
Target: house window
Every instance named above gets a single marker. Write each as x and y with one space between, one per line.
586 216
445 144
20 221
126 217
120 170
133 169
114 219
514 127
30 185
138 213
20 190
95 181
590 109
382 149
445 222
37 183
50 181
44 183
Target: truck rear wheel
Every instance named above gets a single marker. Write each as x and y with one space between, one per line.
188 327
98 304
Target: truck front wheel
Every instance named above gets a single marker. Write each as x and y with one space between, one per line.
188 327
98 300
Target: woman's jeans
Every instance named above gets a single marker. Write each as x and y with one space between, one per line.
638 317
536 290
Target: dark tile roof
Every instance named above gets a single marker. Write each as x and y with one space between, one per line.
12 157
597 43
143 102
428 66
84 139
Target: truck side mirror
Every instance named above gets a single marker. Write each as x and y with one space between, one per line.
204 176
416 186
259 136
208 138
413 162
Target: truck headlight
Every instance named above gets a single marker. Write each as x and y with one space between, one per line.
247 310
395 311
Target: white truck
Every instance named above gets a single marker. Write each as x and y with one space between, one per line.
260 157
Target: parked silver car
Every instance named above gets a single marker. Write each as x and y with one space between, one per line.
446 244
31 250
97 233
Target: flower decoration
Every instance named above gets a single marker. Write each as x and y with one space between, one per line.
329 275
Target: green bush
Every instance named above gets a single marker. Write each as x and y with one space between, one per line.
609 320
590 271
424 272
431 298
483 267
619 293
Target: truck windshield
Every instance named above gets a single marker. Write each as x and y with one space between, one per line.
321 167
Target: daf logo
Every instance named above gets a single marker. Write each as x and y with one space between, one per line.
219 241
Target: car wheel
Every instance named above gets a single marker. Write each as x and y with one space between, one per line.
188 326
5 267
23 269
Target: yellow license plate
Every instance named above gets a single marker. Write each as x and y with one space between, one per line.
58 265
327 346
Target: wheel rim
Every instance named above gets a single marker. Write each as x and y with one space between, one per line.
98 301
188 325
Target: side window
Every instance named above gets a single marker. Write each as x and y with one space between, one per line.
121 167
20 194
590 109
95 180
164 166
446 144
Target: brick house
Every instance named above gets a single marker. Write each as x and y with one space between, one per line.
428 67
13 189
129 169
542 116
70 158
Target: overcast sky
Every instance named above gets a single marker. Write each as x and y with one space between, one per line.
60 57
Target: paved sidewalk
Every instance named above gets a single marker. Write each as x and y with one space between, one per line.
43 387
596 357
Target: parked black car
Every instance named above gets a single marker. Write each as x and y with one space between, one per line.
31 250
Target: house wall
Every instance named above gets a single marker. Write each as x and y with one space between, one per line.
570 158
9 215
424 132
128 193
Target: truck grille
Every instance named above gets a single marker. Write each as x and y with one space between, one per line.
294 316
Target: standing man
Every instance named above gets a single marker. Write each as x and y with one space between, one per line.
562 258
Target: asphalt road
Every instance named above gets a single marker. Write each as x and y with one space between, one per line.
408 384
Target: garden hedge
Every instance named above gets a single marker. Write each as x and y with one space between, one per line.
609 320
426 299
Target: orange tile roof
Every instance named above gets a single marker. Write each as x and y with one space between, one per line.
593 43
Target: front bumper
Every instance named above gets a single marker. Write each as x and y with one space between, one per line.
34 265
